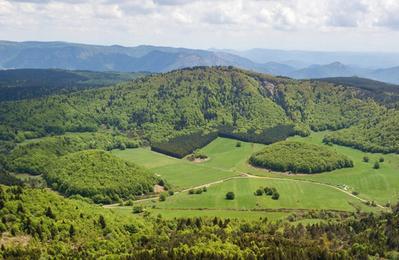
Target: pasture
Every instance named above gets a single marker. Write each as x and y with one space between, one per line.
226 168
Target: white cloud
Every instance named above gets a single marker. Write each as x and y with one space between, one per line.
202 23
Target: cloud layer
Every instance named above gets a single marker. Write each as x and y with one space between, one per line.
205 23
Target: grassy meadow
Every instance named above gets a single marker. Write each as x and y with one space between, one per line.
227 163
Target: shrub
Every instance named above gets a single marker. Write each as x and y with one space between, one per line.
138 209
197 155
376 165
382 159
199 191
171 193
275 196
268 191
192 191
129 203
238 144
230 195
366 159
162 197
205 189
259 192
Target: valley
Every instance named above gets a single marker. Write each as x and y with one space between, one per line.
199 152
228 170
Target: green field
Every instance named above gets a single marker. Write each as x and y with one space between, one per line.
380 185
224 157
293 195
228 163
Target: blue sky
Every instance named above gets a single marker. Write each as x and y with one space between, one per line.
353 25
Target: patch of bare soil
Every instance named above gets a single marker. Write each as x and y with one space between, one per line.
7 240
158 188
199 160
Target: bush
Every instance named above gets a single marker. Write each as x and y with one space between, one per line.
275 196
238 144
376 165
268 191
138 209
171 193
199 191
162 197
196 155
259 192
366 159
382 159
230 195
192 191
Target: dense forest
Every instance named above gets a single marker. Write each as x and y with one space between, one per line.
30 83
99 176
33 156
37 223
63 139
298 157
160 107
375 134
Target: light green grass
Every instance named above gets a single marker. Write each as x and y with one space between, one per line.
175 213
223 155
226 161
380 185
293 195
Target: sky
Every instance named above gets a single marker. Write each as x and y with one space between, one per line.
329 25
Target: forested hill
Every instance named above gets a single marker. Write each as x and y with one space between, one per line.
29 83
161 106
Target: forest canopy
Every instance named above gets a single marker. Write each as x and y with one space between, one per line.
99 176
298 157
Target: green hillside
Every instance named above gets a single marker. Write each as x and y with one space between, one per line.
32 156
18 84
100 176
163 106
375 134
67 152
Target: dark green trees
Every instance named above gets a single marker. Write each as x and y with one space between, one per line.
100 176
230 195
298 157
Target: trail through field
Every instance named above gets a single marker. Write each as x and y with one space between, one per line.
244 175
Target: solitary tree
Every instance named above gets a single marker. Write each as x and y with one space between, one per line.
49 213
230 195
72 231
376 165
259 192
275 196
101 221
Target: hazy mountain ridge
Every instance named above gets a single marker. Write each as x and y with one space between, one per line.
295 64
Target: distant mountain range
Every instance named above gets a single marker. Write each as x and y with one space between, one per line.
295 64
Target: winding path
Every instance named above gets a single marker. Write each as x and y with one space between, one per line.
243 175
